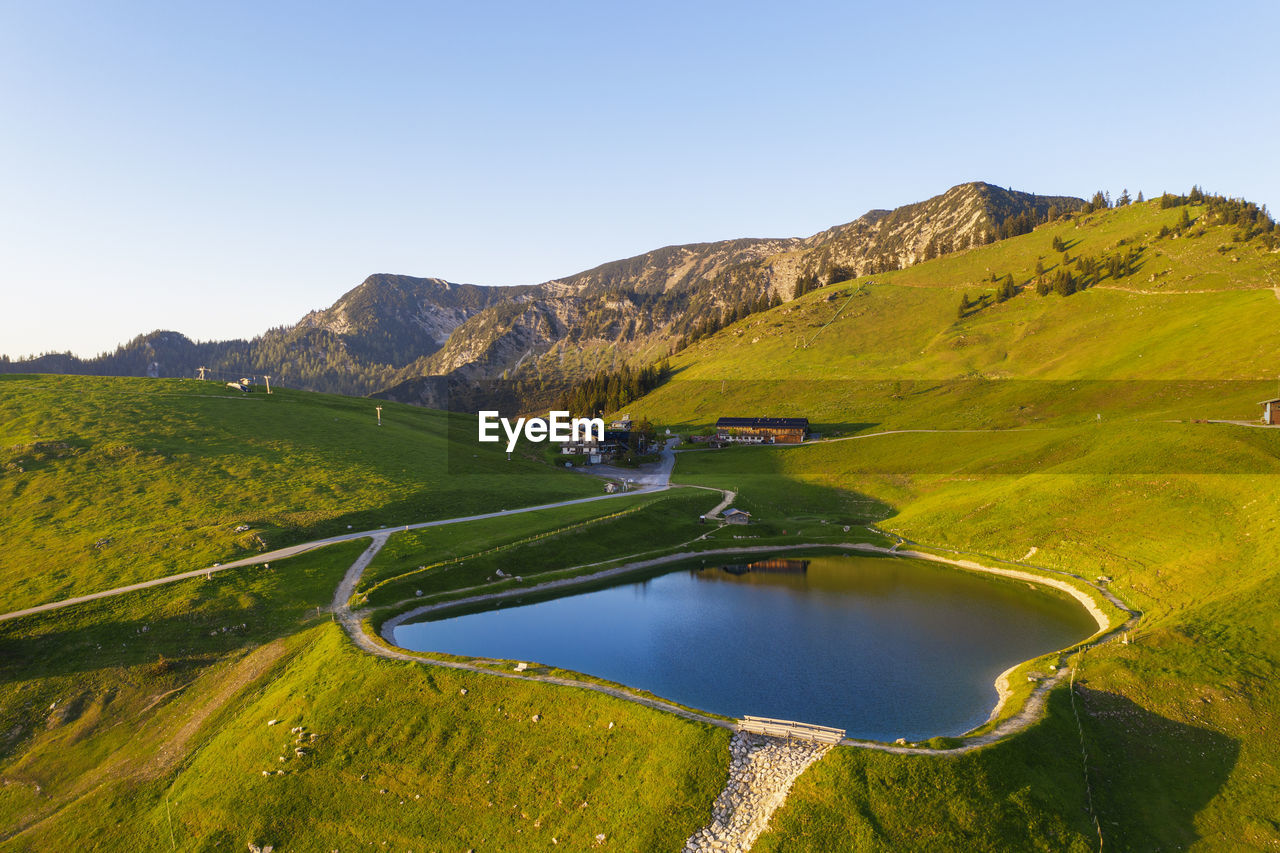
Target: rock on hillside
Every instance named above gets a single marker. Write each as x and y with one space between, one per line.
669 268
394 319
963 216
643 304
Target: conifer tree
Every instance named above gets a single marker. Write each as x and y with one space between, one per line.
1007 289
1064 283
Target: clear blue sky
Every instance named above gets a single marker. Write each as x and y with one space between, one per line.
219 168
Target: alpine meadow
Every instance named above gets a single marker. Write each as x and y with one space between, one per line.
206 583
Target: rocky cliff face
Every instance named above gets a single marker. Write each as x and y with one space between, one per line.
618 303
965 215
670 268
645 303
395 319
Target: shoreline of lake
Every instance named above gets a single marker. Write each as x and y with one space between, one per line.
1079 598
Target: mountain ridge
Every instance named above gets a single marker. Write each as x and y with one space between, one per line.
391 331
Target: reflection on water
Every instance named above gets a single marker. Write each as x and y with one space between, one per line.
885 648
775 565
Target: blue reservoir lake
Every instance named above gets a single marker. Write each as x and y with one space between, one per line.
882 647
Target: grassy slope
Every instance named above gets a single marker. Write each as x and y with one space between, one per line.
407 553
1180 514
552 542
1008 797
1175 723
141 719
897 337
108 745
111 481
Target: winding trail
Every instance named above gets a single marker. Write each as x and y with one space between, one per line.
1142 292
294 550
1250 424
729 497
762 769
1031 710
655 480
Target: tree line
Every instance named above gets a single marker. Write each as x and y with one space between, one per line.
610 391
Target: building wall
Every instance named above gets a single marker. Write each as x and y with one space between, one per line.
763 434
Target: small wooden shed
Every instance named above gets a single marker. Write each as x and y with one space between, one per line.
736 516
1271 412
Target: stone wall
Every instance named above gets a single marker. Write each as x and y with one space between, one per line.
761 772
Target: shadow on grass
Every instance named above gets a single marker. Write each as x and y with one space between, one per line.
81 658
175 626
828 430
421 506
767 487
1151 775
42 646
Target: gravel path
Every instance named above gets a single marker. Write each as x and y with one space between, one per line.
293 550
762 769
729 497
1028 714
352 620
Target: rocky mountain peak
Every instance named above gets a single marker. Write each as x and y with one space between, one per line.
392 329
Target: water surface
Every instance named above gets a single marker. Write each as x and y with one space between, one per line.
882 647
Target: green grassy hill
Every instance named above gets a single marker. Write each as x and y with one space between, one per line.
1090 452
877 347
107 482
142 720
